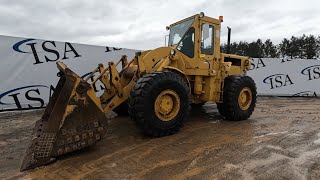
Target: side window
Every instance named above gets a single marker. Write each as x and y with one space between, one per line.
186 45
207 39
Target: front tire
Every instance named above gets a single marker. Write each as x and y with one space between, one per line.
239 98
122 109
159 103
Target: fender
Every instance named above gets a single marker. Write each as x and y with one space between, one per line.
151 58
178 71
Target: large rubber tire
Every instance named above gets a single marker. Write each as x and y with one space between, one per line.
122 109
142 99
221 109
230 107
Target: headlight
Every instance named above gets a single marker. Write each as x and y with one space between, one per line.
172 52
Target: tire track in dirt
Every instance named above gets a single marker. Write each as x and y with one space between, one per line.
281 140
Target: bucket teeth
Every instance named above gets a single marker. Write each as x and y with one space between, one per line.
70 122
38 154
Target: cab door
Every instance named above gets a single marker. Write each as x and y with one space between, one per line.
208 51
207 44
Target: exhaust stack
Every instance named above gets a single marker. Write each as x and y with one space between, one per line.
228 43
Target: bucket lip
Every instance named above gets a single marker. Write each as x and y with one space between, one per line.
28 165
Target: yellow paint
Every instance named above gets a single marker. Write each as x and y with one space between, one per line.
204 73
167 105
245 98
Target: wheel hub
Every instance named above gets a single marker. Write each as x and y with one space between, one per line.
245 98
167 105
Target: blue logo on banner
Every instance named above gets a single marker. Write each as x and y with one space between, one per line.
313 72
278 80
47 48
306 93
16 46
28 92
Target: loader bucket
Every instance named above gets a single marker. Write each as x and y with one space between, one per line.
72 120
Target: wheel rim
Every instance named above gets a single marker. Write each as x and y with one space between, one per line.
245 98
167 105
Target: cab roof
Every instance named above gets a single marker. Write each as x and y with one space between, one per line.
197 16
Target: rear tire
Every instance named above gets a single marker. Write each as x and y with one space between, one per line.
221 109
149 112
239 98
197 106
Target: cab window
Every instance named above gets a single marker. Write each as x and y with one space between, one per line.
186 45
207 39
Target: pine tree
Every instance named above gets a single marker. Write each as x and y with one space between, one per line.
270 50
234 48
310 47
296 47
305 47
243 48
284 48
255 49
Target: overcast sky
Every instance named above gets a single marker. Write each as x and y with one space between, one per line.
140 24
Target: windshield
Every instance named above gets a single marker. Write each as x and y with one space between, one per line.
177 31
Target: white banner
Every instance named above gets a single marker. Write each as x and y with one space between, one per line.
286 77
28 72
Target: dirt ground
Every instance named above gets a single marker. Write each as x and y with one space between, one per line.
280 141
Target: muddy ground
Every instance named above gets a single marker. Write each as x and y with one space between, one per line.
280 141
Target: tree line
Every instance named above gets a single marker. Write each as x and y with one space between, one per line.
303 47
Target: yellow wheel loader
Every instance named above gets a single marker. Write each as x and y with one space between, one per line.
156 87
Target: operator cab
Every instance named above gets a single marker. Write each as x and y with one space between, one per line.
196 37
